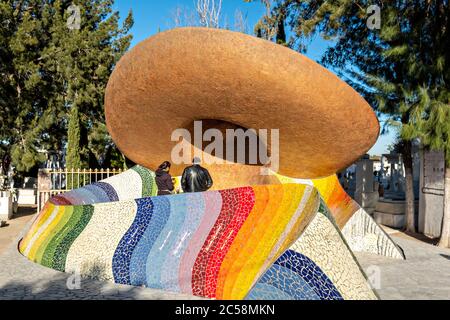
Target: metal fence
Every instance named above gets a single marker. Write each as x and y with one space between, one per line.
55 181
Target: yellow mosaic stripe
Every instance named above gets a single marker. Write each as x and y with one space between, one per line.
48 235
245 279
266 240
297 195
39 228
307 214
243 244
40 219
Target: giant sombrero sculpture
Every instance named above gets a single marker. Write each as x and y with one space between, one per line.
254 237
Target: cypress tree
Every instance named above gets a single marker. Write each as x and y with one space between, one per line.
73 159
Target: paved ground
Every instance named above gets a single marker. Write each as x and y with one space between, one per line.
22 279
424 275
9 233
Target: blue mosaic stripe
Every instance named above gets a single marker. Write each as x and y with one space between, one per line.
290 282
159 252
84 196
122 255
265 291
311 273
161 205
195 206
109 190
98 192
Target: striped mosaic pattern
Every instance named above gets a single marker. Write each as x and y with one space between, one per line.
359 229
138 182
318 266
228 244
294 277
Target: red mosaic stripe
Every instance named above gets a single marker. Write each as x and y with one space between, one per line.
199 276
242 202
60 200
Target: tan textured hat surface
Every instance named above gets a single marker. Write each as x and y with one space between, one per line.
176 77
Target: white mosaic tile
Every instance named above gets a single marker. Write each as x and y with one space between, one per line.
92 252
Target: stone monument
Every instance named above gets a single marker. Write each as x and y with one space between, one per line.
366 191
431 208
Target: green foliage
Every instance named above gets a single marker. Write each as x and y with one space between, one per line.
402 69
46 69
271 26
73 158
105 150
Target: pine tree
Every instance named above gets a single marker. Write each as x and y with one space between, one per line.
25 112
392 67
46 68
84 60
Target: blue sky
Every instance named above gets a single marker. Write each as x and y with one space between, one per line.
153 15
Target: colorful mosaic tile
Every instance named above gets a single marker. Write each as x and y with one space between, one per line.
149 187
296 275
260 242
358 228
109 190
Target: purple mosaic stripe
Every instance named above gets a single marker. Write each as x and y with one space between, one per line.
98 192
82 196
109 190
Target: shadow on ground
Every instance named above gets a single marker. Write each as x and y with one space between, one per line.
21 279
54 285
422 238
24 211
57 289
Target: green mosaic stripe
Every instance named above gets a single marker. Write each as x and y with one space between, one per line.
64 226
149 187
40 251
82 215
323 209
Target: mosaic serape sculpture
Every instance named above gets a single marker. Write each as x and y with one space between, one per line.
252 236
261 242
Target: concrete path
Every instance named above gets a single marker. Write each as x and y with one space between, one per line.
424 275
8 234
21 279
